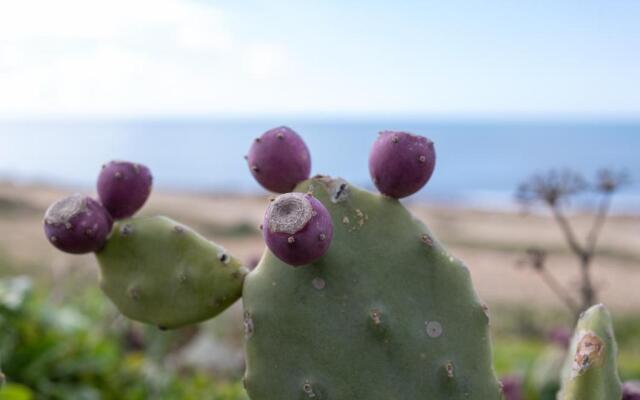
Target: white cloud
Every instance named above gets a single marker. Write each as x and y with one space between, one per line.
192 56
99 20
265 60
125 57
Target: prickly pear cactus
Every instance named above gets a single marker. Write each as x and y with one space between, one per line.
376 309
590 371
385 314
158 271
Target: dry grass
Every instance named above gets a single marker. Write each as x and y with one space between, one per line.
489 242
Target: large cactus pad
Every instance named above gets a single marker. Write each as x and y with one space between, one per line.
158 271
386 314
590 371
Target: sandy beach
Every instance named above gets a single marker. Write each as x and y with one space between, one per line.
489 242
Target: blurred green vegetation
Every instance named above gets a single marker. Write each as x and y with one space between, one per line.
66 341
78 351
522 347
61 339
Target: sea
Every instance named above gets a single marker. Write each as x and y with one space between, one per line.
479 163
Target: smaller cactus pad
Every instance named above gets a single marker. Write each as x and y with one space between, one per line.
160 272
590 371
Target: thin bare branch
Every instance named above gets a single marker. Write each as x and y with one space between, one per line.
559 291
555 189
609 181
552 187
567 231
536 259
598 223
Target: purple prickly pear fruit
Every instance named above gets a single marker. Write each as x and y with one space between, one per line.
77 224
631 390
400 163
512 387
297 228
124 187
279 160
560 336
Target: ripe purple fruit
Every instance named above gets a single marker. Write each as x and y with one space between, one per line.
631 390
279 160
77 224
124 187
400 163
512 387
297 228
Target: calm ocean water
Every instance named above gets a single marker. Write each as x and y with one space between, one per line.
478 162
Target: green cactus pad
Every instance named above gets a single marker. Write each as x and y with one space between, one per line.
160 272
590 371
386 314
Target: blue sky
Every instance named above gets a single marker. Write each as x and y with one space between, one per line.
449 58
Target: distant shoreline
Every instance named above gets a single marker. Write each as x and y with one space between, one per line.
489 201
479 163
